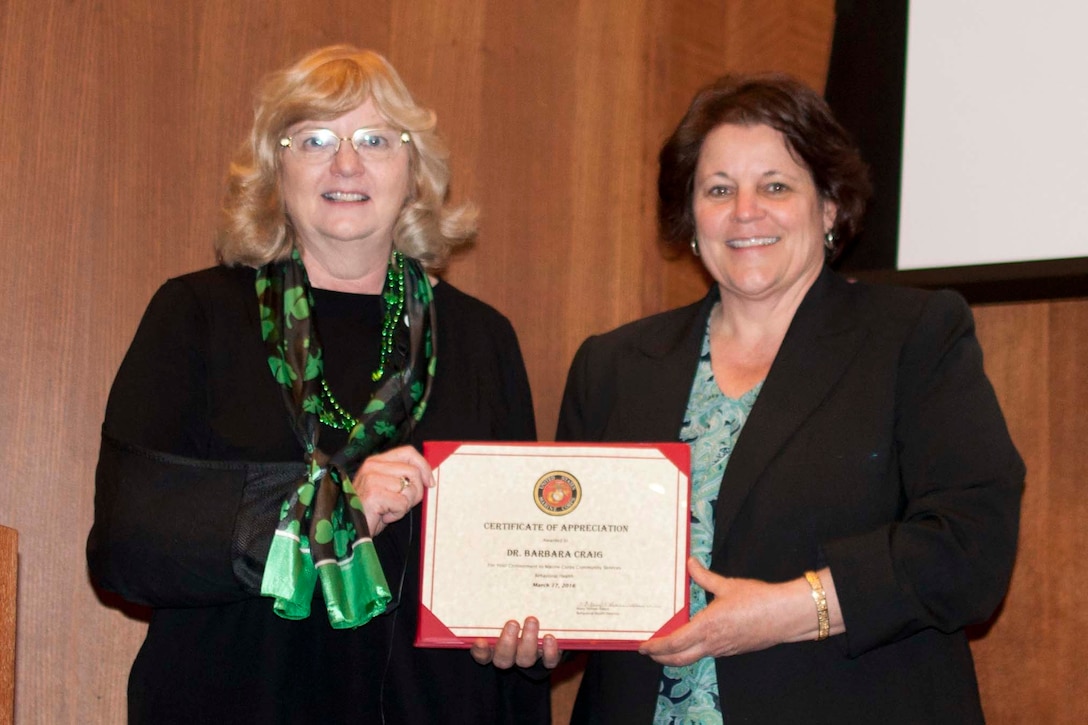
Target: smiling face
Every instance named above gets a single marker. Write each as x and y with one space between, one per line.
758 217
339 205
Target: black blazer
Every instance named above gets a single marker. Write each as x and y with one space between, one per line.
876 447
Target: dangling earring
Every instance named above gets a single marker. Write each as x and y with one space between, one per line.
695 246
829 241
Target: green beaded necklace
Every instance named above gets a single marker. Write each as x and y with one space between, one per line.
332 413
393 299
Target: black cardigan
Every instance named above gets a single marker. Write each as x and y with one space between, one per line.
195 383
876 447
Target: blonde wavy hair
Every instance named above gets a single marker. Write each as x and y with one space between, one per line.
327 83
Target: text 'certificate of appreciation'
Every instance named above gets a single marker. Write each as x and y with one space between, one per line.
591 539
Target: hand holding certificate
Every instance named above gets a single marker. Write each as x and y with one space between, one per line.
589 539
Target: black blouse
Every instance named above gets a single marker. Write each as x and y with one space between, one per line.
196 383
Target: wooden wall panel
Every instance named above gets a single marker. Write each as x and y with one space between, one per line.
702 41
120 117
1028 659
9 578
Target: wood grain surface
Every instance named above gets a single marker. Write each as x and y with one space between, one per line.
9 578
119 117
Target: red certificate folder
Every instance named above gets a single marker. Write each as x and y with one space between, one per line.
592 539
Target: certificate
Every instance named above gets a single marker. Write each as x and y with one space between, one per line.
591 539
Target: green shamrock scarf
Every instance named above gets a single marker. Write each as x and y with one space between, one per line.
322 533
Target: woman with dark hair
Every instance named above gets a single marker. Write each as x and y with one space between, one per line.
259 479
855 493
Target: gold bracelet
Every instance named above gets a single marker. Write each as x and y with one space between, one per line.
818 596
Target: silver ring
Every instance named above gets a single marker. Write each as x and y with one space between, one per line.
404 483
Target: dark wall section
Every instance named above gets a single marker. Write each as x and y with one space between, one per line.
865 84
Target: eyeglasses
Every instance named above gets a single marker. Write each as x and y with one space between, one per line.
321 144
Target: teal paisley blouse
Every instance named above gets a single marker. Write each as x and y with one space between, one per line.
712 424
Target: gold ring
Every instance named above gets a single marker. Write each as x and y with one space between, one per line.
404 483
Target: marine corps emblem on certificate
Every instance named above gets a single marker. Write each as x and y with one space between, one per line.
557 493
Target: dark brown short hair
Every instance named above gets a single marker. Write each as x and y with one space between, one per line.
812 134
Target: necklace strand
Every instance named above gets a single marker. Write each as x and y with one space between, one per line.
332 413
393 303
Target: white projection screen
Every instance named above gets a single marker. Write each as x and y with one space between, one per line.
973 115
995 133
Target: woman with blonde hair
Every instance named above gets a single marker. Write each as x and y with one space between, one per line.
259 456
